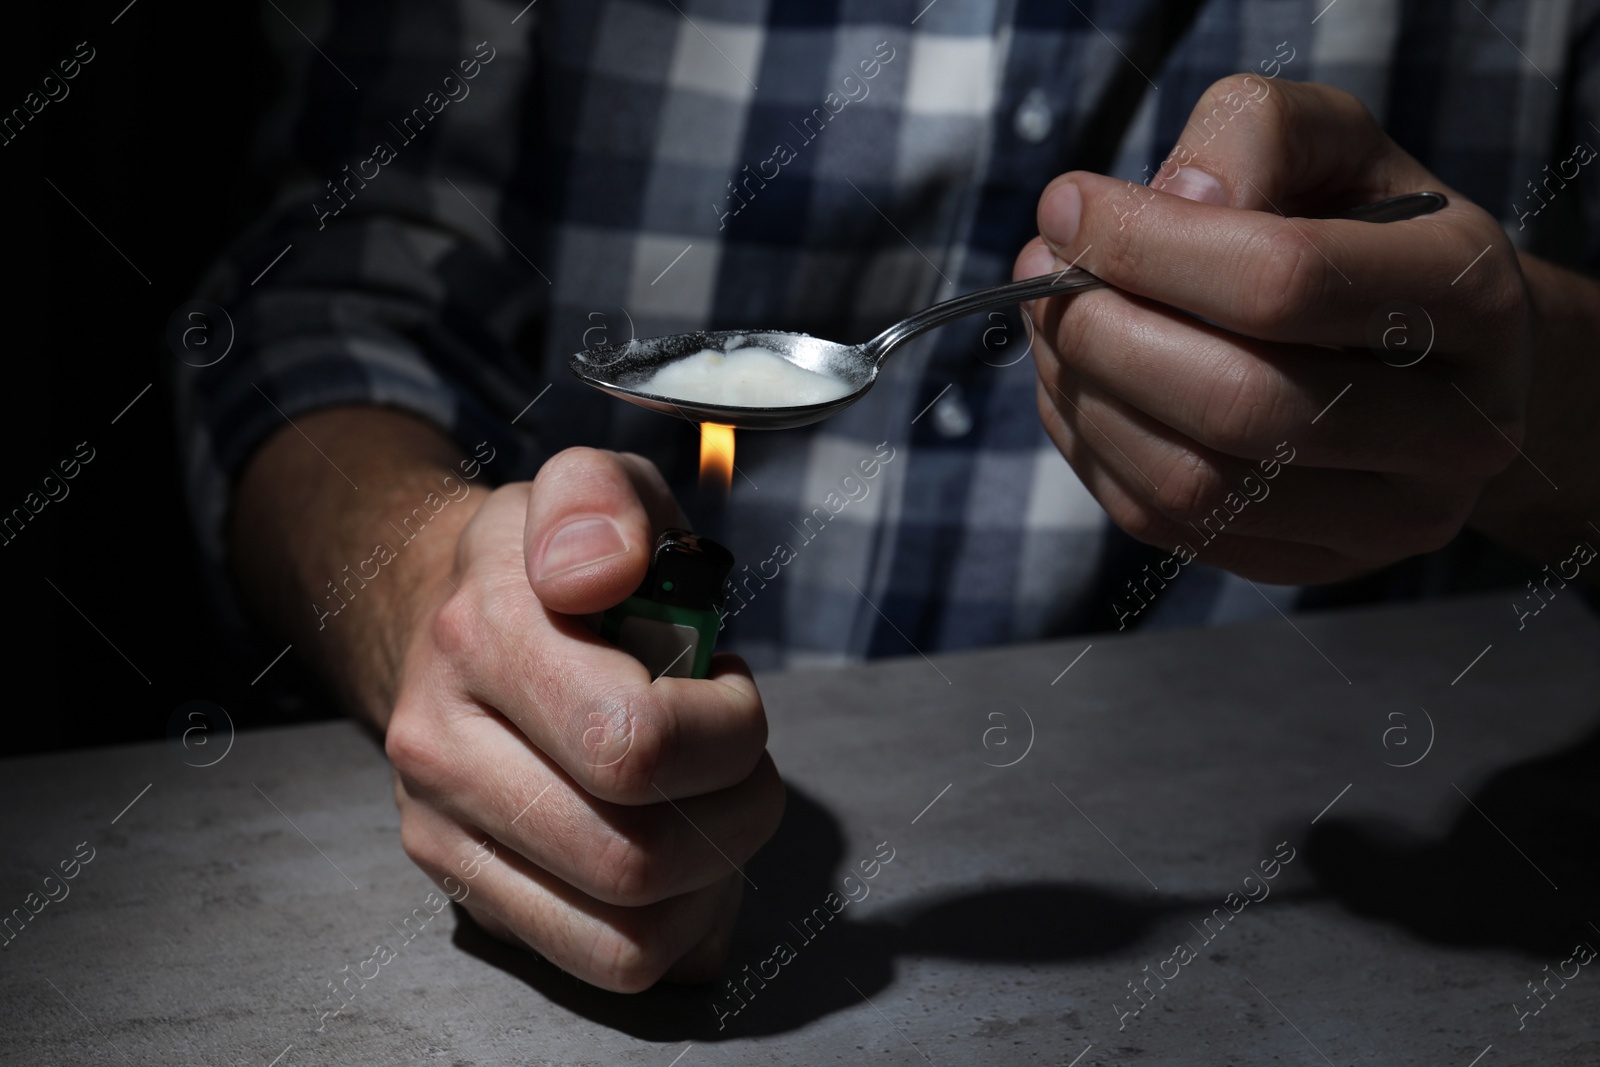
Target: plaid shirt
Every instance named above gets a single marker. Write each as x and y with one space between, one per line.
475 190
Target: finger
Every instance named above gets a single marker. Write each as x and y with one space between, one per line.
1310 281
704 961
625 950
1242 397
1366 518
593 708
1258 559
588 705
481 771
591 524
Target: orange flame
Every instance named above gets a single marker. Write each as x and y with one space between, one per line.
716 458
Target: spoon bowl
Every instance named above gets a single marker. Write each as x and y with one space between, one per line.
626 370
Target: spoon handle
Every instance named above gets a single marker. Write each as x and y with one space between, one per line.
1071 280
1076 279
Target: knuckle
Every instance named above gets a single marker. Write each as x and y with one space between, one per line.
455 625
419 844
1284 280
1347 105
578 465
1287 106
1044 404
1088 320
629 872
639 733
1121 257
1187 490
1243 97
1238 410
577 456
1138 521
630 961
411 745
1240 84
1057 428
1500 296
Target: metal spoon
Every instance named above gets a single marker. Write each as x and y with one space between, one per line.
622 369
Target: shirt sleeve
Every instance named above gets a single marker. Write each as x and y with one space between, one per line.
391 267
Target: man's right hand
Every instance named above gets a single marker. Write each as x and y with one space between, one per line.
617 807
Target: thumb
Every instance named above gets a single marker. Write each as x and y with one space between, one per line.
592 520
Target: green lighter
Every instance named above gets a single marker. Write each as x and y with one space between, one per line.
670 623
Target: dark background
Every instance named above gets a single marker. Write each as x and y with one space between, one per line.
152 144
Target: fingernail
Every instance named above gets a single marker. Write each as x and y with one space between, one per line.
1036 262
581 543
1060 214
1192 183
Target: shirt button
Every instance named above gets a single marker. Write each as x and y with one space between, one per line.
951 416
1034 117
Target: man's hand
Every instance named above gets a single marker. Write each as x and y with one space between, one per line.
623 803
1236 335
616 807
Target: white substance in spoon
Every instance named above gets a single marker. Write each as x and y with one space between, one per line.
749 377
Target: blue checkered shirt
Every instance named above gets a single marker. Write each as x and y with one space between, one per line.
472 191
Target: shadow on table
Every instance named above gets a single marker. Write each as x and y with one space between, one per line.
837 964
1481 885
1492 880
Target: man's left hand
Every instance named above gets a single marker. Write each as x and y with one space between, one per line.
1240 333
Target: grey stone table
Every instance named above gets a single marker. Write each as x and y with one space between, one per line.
1060 818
